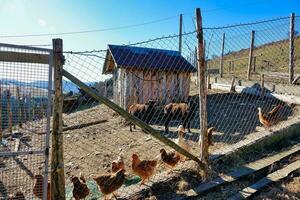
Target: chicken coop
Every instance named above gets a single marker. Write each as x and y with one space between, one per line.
143 74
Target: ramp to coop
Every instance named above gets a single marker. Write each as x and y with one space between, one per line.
25 84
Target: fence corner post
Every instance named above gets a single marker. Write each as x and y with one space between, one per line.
291 48
202 90
57 159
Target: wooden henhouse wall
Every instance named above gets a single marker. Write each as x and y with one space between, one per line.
139 86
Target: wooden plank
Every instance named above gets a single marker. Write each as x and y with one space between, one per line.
291 48
9 56
57 151
243 171
262 183
251 55
163 94
168 87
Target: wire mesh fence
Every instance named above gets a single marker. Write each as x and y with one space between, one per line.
25 120
157 82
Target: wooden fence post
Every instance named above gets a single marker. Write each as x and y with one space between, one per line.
250 55
202 89
9 113
57 159
1 131
291 54
222 56
19 107
180 34
254 64
262 85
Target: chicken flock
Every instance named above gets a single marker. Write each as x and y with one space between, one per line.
109 183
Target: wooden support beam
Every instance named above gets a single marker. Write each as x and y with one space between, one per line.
8 56
291 53
180 34
262 183
251 55
57 158
202 89
222 56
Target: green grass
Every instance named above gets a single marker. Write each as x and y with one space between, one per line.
276 53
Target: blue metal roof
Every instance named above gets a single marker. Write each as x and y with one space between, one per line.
149 58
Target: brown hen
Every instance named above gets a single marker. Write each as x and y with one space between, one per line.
38 187
80 190
18 196
109 183
170 158
143 168
270 118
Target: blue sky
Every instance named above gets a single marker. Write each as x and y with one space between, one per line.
19 17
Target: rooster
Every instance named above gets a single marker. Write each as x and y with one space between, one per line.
109 183
80 190
143 168
209 135
270 118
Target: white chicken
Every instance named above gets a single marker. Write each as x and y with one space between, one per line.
182 142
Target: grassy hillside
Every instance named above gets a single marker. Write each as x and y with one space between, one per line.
272 57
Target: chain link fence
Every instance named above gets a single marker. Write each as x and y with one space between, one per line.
249 98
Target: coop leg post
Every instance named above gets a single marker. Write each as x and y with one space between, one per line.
291 54
250 55
202 89
232 87
208 81
57 159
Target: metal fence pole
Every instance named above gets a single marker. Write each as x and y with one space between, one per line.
291 53
57 159
180 33
202 89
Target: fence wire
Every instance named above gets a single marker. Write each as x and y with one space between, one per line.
24 121
157 82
